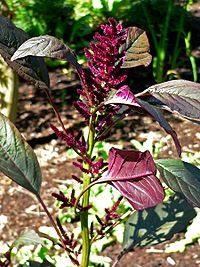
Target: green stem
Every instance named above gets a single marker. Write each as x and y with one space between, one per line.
191 57
84 226
84 214
163 45
176 51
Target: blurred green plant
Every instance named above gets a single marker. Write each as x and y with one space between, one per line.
151 144
74 21
42 16
8 91
168 24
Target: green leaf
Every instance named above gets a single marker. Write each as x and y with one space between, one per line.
17 159
29 237
137 49
181 177
32 69
158 224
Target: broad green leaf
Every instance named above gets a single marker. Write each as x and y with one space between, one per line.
29 237
179 96
182 177
32 69
46 46
136 48
158 224
17 159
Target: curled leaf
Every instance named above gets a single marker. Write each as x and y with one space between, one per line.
124 96
137 49
133 174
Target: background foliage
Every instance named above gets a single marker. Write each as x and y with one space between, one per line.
167 22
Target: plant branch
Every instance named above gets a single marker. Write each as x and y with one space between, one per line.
52 221
55 110
120 219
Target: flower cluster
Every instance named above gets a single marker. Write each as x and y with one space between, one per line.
105 61
73 246
104 74
109 219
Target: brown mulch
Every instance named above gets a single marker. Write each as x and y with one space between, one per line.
22 208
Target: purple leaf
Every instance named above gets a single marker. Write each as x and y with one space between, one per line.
46 46
123 96
158 116
180 96
137 49
31 69
132 173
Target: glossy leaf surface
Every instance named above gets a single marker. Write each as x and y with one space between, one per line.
132 173
179 96
32 69
158 224
17 159
137 49
124 96
45 46
181 177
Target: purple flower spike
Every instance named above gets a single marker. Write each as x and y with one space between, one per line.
105 61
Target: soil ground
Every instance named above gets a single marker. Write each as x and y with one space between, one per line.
34 116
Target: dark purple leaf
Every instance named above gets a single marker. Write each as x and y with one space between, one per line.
137 49
158 116
124 96
133 174
31 69
182 177
46 46
178 96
